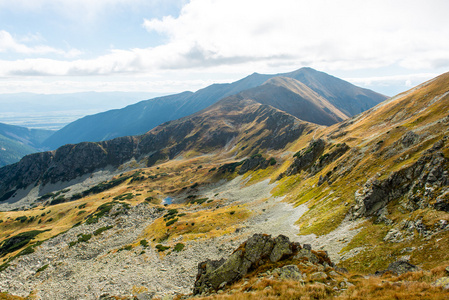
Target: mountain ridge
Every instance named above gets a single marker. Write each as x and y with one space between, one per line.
116 123
231 119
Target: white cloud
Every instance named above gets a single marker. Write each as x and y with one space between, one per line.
347 34
9 44
243 36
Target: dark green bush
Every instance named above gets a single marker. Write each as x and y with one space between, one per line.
42 268
102 229
127 248
256 155
171 212
171 222
144 243
179 247
161 248
230 167
18 241
22 219
199 201
84 238
58 200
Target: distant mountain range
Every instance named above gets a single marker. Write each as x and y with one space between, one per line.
306 94
143 116
16 142
269 116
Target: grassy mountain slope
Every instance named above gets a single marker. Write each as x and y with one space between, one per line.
297 99
145 115
370 190
393 177
347 97
31 137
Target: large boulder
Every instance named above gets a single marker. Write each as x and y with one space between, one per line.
256 251
399 267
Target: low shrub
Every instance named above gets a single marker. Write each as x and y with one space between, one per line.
22 219
42 268
171 222
161 248
102 229
18 241
179 247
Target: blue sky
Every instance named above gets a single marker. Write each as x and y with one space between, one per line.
167 46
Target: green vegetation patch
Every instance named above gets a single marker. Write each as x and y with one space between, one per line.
22 219
126 196
41 269
102 229
161 248
127 248
101 187
179 247
198 201
18 241
230 167
82 238
104 209
171 222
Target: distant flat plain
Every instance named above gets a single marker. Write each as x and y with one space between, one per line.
54 111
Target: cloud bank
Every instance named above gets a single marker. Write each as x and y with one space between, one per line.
260 35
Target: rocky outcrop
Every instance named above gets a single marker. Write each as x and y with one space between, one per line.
66 163
258 250
398 268
421 182
312 159
256 162
306 157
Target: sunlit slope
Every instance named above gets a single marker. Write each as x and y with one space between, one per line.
388 166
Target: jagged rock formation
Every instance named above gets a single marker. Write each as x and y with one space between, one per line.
312 159
306 157
258 250
426 179
398 268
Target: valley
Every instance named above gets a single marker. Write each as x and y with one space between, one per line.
139 217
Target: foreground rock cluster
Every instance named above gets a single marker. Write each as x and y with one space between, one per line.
258 251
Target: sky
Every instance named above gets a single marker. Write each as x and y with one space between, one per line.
169 46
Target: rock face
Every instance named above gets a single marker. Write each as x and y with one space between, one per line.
305 158
419 182
399 267
258 250
253 163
